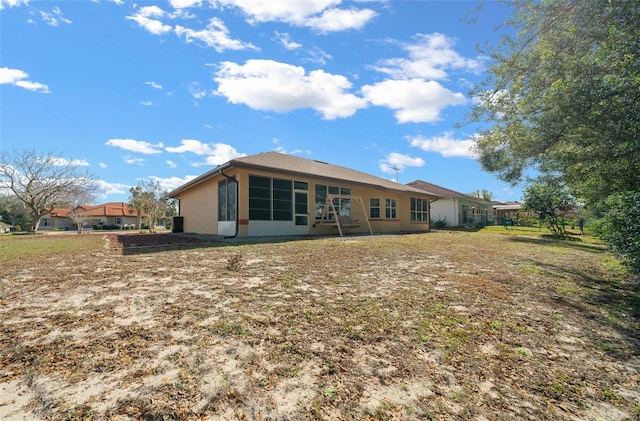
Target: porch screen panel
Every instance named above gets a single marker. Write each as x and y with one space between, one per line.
282 200
259 198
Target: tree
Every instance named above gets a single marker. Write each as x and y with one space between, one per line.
563 95
43 182
12 211
149 197
620 227
482 194
552 203
78 216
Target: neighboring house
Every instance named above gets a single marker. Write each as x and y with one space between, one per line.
276 194
455 208
110 214
106 214
506 211
57 219
4 228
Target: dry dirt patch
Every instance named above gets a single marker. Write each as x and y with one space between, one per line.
431 326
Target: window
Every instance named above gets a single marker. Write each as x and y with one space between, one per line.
270 199
374 208
342 202
227 193
390 208
259 198
282 200
419 210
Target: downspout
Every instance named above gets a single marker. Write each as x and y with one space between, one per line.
233 178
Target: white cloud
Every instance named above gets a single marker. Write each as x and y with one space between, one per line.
12 3
398 162
318 56
138 146
112 188
416 100
445 145
63 162
216 36
147 103
54 17
146 18
133 160
322 15
216 154
16 77
154 85
285 40
102 165
171 164
196 91
430 58
273 86
172 183
191 145
183 4
334 20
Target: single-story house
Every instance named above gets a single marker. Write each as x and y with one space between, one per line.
271 194
454 208
106 214
506 211
4 228
56 219
111 214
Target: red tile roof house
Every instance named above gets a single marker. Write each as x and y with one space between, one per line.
455 208
57 219
106 214
110 214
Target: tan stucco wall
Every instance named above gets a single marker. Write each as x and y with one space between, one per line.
199 206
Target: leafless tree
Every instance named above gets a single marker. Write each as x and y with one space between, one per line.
78 216
43 182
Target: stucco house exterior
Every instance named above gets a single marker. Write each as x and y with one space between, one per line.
271 194
507 211
455 208
57 219
106 214
111 214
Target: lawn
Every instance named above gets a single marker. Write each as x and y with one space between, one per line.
443 325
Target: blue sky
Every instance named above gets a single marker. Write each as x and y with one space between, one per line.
167 90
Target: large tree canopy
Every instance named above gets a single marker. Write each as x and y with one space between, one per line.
562 96
43 182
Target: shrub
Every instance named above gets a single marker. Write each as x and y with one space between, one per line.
620 227
440 223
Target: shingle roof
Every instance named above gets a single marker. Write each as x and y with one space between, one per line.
443 191
278 162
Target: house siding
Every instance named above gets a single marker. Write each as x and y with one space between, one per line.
199 207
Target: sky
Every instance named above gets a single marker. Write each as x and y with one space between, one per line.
168 90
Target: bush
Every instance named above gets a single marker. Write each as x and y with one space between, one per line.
440 223
620 227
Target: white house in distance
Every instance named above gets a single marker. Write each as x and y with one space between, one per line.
455 208
271 194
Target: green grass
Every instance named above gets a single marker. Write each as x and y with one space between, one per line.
20 247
